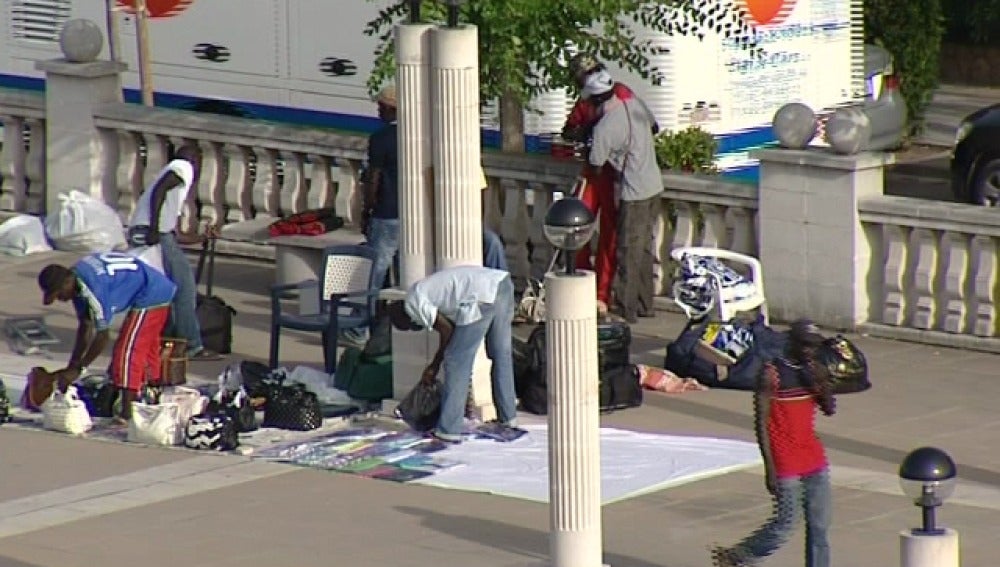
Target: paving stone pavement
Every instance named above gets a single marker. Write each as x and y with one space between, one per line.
74 502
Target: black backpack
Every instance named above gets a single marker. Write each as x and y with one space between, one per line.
619 383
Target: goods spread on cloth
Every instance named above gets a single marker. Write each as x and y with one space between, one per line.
519 468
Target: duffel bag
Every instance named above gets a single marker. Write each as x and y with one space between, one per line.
620 388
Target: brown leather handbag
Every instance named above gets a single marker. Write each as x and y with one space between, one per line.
173 361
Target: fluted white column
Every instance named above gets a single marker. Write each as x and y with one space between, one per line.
574 426
458 221
416 192
412 351
924 550
458 230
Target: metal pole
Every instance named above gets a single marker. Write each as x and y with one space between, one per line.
142 38
113 37
414 11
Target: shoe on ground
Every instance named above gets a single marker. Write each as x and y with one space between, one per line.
204 355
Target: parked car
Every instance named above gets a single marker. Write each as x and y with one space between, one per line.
975 158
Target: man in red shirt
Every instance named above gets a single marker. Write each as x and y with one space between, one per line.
599 193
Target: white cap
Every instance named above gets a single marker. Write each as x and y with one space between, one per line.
597 83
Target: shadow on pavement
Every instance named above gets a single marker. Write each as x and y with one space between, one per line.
836 442
8 562
532 544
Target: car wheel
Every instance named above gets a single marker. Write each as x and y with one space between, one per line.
986 188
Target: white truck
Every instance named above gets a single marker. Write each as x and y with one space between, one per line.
306 62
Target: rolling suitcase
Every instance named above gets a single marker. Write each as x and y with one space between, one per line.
215 317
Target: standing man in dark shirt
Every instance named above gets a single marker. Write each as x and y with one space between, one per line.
381 192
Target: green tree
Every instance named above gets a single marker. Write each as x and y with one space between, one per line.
524 44
911 30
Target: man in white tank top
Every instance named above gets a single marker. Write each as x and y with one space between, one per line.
155 222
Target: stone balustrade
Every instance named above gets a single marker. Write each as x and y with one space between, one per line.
22 155
249 169
939 267
933 273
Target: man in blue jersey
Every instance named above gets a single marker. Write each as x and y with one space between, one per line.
101 286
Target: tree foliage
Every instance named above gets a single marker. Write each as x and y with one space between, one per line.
911 30
974 22
524 44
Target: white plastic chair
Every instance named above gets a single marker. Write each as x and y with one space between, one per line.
727 302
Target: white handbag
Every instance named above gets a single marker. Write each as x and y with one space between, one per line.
155 424
191 402
66 412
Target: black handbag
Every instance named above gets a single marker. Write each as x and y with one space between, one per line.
293 407
421 408
620 388
237 407
98 394
211 432
258 380
846 365
215 316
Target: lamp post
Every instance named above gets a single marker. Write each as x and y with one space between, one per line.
928 476
572 374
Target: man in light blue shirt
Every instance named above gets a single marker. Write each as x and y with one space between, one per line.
465 305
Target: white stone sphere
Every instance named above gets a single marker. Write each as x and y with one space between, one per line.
848 131
81 41
795 125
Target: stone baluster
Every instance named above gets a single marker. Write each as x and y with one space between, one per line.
923 243
541 250
322 187
685 224
34 167
514 230
714 233
350 201
211 185
13 178
266 185
237 186
157 156
984 285
293 191
493 205
955 261
896 262
744 233
662 238
129 171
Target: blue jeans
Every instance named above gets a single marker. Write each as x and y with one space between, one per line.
459 355
183 321
494 255
810 494
383 237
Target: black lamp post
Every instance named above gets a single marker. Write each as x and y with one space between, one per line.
415 11
453 6
569 226
928 476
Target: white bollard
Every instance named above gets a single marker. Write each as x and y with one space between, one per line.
922 550
573 420
416 191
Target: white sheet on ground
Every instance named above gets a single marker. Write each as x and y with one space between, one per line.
631 463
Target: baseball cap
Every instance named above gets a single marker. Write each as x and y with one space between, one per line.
387 96
597 83
806 332
50 279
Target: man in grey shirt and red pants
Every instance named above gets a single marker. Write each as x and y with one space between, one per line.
623 137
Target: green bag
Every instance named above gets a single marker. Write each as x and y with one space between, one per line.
364 377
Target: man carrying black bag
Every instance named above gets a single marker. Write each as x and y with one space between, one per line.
155 222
